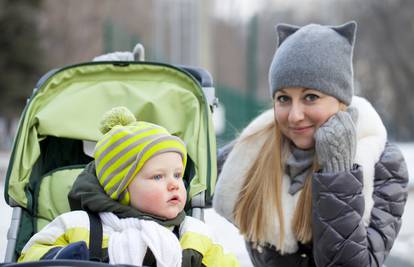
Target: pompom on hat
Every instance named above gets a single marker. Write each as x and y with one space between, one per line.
316 57
125 147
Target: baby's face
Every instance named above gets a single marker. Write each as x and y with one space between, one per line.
158 188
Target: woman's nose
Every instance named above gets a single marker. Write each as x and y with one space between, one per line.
296 113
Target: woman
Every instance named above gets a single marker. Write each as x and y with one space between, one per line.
313 182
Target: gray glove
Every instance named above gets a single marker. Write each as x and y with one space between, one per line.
335 142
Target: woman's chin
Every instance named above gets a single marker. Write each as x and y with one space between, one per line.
304 144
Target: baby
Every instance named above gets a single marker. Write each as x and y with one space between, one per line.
137 188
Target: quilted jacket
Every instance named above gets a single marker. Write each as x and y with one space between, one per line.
356 215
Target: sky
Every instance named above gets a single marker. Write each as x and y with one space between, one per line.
237 9
242 10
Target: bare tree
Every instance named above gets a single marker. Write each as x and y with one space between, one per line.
383 59
20 55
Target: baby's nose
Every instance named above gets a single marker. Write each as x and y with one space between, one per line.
172 184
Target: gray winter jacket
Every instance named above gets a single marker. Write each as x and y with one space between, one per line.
356 215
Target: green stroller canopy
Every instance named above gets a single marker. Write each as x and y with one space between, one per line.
70 104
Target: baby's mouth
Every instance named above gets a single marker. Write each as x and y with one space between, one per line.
174 200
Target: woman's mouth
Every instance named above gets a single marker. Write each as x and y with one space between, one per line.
301 130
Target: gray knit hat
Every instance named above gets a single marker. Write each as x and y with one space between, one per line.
314 56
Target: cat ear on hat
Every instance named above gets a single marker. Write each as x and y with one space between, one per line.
284 31
347 30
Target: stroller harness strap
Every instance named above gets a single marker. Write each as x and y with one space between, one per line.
95 237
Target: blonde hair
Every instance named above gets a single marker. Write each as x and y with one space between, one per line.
260 203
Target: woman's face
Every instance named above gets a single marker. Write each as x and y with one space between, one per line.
299 112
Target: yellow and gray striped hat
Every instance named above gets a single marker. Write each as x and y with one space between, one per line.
125 147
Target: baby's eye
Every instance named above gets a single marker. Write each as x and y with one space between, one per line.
311 97
282 98
178 175
157 177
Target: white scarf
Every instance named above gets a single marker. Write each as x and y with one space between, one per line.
129 239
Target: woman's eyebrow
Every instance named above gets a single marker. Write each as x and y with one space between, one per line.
308 89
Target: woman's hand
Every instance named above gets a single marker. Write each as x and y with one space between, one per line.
335 142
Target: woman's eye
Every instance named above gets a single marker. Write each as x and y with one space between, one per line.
157 177
311 97
282 98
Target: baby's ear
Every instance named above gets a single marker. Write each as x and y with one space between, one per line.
284 31
347 30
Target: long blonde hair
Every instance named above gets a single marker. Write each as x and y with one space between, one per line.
260 200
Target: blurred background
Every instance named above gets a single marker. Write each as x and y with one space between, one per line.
233 39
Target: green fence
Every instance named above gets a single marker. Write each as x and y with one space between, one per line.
240 109
117 38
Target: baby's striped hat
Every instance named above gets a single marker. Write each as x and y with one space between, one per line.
125 147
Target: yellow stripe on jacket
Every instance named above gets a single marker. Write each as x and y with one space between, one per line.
65 229
195 235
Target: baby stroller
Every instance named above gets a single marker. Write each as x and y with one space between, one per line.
59 127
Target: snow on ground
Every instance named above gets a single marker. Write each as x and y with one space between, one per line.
226 234
5 210
403 246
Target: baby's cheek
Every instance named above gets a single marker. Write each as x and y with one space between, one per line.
151 202
153 196
184 195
